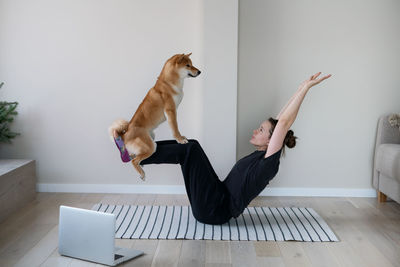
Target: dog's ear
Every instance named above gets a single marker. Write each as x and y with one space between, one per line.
188 55
180 59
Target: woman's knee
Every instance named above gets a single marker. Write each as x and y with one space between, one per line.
193 150
194 141
193 144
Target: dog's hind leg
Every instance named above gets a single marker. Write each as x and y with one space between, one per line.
147 148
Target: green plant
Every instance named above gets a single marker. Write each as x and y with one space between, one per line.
7 114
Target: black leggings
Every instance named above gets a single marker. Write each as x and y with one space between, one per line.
208 196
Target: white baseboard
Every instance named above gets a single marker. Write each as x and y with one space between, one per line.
180 189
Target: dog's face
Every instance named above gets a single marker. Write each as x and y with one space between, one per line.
185 66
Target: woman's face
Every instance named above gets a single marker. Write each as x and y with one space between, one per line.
261 136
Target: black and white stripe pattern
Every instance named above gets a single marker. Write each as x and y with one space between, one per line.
256 223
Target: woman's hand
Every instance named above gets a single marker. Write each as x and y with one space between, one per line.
307 84
289 113
313 81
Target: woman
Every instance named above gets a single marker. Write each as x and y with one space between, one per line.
215 202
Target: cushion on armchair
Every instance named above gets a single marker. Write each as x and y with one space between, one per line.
388 160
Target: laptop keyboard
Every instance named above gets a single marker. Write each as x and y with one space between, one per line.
117 256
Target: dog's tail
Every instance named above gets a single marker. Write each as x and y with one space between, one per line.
120 126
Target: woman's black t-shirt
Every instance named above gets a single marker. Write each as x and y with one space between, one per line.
248 177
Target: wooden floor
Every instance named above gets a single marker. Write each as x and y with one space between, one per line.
369 234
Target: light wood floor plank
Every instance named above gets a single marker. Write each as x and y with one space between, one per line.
319 254
361 239
218 252
167 253
56 260
293 254
270 261
369 234
193 253
267 249
149 247
145 199
17 248
344 218
218 265
16 224
41 251
344 254
243 254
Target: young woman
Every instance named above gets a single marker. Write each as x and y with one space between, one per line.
215 202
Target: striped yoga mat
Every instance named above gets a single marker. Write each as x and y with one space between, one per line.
256 223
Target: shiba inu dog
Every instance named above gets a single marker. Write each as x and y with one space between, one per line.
160 104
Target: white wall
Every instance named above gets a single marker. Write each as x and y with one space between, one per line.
281 43
220 84
75 66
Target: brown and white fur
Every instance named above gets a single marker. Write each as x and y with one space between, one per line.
160 104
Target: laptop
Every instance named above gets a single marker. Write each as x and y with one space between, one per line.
89 235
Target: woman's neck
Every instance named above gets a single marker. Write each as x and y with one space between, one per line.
261 148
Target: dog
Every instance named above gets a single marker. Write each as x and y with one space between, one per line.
160 104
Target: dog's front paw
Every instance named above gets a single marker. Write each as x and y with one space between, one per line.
182 140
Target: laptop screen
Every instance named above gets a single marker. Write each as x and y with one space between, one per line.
87 234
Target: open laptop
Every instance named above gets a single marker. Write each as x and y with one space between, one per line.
89 235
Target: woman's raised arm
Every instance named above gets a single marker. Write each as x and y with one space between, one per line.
289 113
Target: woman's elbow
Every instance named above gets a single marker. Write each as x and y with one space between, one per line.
285 122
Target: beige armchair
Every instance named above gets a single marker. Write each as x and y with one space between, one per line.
386 173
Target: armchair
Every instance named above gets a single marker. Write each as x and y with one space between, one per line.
386 172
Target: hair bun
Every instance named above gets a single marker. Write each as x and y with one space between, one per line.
290 139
